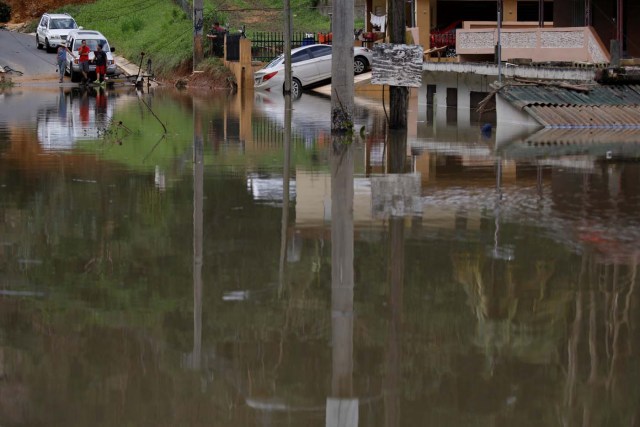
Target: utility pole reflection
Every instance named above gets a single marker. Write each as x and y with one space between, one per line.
286 172
397 146
198 189
342 407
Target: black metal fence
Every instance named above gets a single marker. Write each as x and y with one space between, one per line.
233 47
267 45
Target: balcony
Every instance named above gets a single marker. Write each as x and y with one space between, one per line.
477 41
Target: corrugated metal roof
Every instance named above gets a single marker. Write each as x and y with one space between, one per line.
525 95
602 106
586 116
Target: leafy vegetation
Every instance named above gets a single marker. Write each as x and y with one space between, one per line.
5 12
158 28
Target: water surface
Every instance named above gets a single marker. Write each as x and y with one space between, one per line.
164 262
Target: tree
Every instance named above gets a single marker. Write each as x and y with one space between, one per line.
5 12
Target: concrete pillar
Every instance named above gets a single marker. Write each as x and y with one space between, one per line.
423 166
423 21
464 106
510 10
412 113
441 95
422 101
441 105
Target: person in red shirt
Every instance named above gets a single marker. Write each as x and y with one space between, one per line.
84 51
100 59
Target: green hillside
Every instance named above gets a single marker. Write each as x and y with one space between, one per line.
162 30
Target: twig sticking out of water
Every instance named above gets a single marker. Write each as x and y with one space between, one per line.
154 115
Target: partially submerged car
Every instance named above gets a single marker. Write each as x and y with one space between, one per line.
93 38
53 30
309 64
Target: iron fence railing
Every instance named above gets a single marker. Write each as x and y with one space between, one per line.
267 45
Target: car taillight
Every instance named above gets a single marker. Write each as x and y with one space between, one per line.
75 61
268 76
111 62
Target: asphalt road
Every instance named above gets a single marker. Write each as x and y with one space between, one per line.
18 51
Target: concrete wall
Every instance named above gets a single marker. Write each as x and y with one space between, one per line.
579 44
242 69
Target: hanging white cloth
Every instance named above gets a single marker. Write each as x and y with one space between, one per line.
378 21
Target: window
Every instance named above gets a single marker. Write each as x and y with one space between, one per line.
92 44
303 55
318 51
63 24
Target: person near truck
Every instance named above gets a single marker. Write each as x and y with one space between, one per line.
83 60
100 58
61 58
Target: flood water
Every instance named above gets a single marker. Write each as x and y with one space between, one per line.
213 274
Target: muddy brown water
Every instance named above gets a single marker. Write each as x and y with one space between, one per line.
200 276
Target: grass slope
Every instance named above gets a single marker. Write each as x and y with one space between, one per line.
157 27
164 31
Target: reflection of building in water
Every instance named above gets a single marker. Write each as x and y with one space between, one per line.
268 189
228 126
518 315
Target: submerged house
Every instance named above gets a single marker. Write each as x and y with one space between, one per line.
555 119
540 30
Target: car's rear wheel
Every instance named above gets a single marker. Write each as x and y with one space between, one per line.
360 64
296 88
38 44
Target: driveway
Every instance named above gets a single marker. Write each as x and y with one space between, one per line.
18 52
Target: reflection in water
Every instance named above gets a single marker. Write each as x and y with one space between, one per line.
397 147
342 406
438 302
79 115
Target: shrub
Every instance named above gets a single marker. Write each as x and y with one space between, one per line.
132 24
5 12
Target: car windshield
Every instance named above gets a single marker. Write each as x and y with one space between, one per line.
93 44
63 24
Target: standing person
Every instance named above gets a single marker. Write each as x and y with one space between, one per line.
216 35
101 64
62 59
84 51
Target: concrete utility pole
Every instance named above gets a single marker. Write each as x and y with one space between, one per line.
342 67
287 46
398 95
198 24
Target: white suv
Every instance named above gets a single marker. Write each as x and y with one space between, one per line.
53 30
93 38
